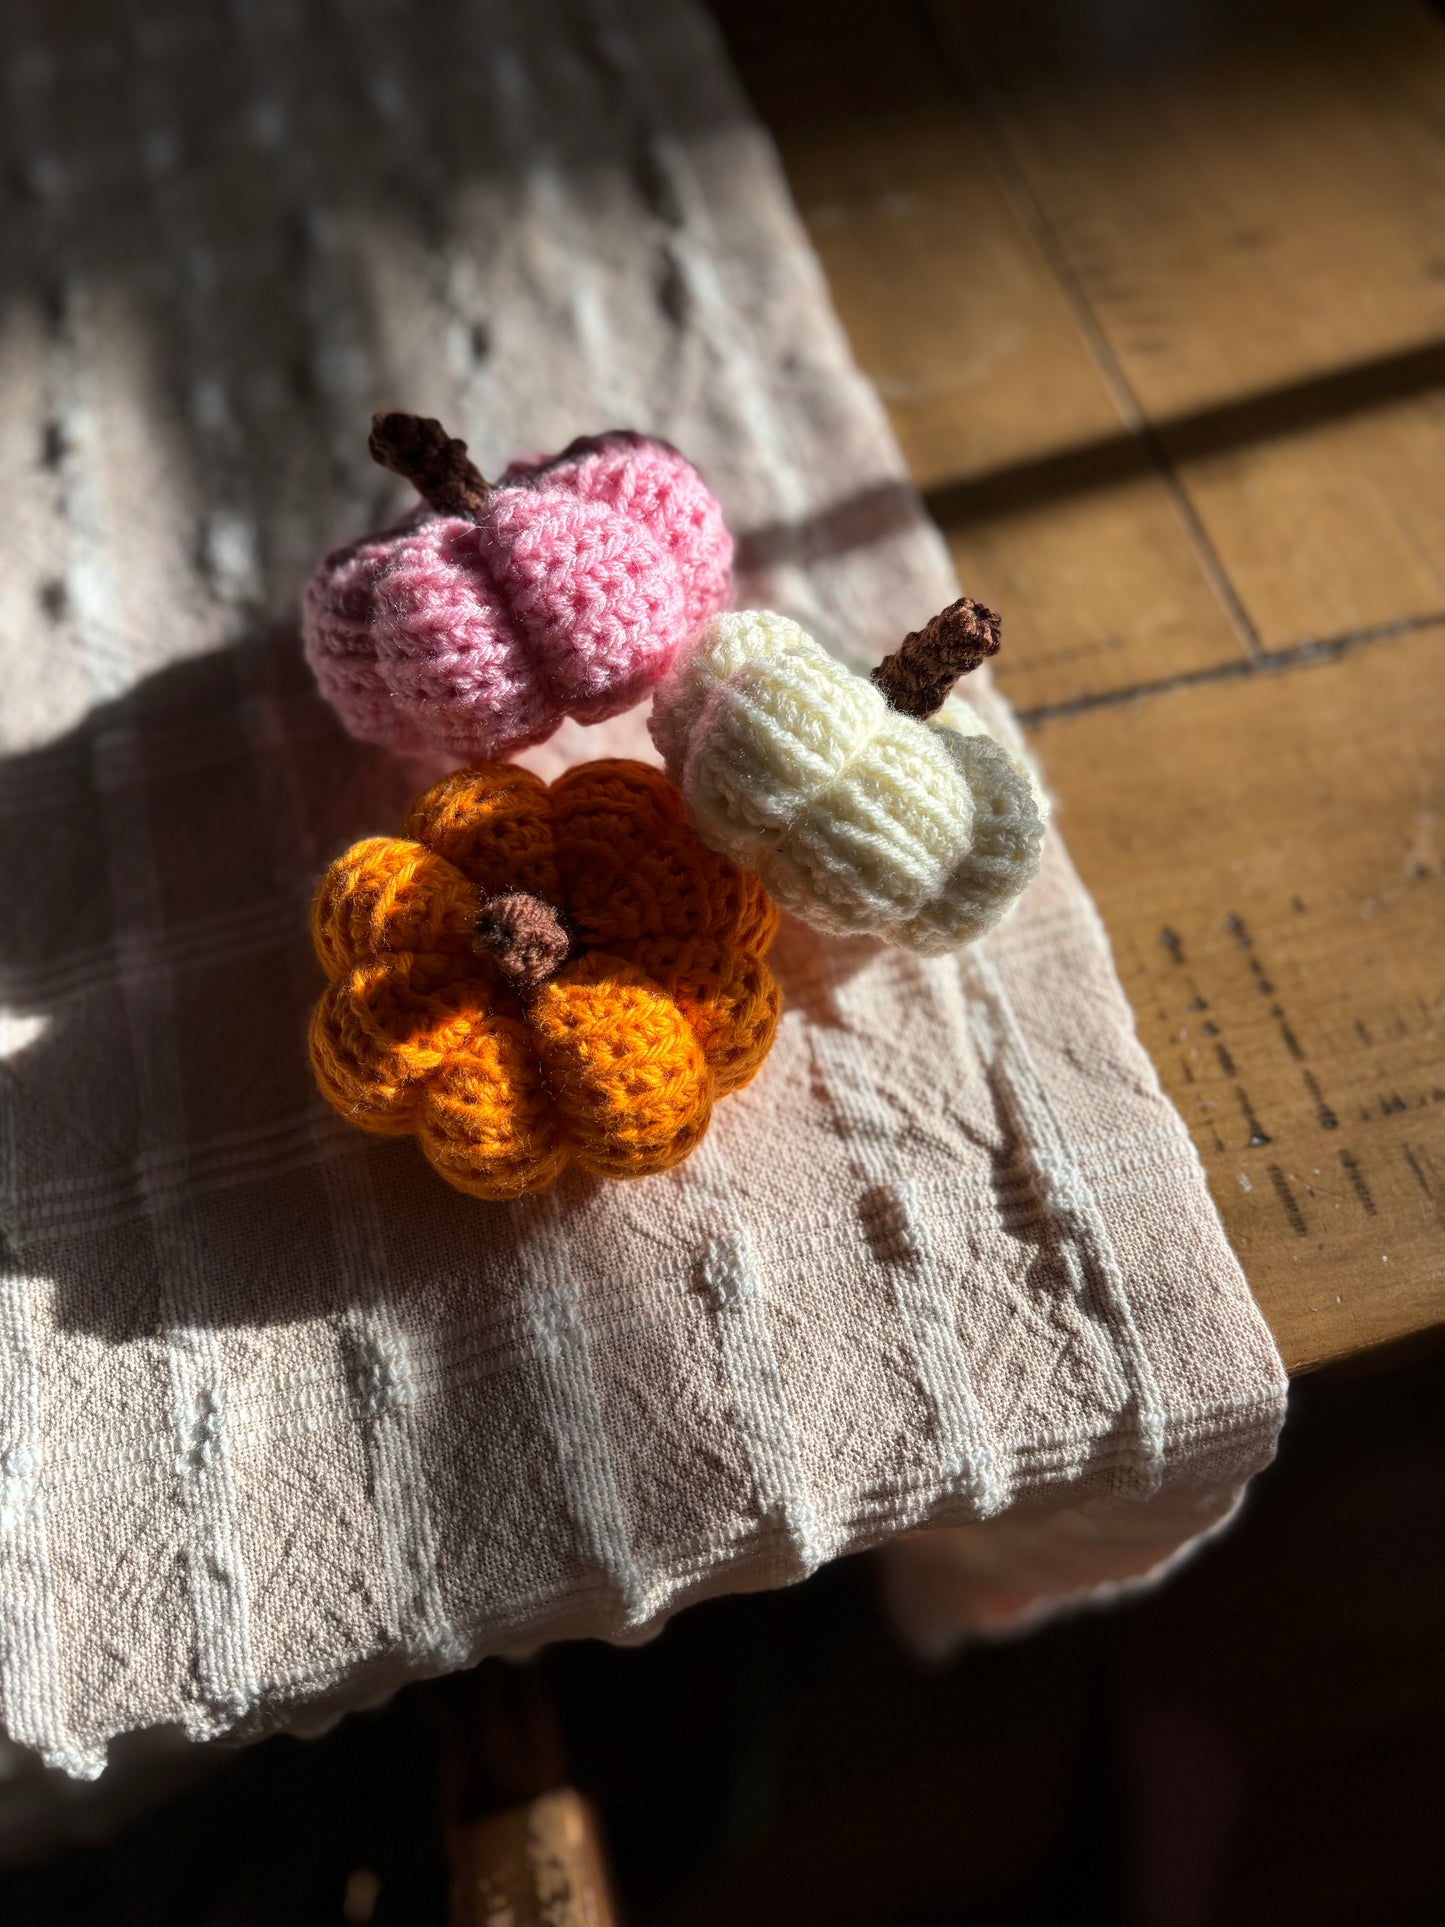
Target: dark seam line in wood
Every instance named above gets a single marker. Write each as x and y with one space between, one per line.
1271 662
1014 182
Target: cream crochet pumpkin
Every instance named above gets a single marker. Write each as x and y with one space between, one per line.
865 806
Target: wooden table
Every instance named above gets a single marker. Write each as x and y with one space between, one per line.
1159 317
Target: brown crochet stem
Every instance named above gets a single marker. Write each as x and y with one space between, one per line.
523 936
434 462
926 664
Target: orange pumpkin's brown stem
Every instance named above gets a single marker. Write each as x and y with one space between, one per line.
434 462
523 936
926 664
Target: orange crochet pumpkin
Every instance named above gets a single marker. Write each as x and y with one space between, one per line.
532 976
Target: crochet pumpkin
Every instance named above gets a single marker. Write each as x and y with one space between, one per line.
863 810
531 977
497 609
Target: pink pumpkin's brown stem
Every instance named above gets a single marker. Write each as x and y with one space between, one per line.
523 937
926 664
434 462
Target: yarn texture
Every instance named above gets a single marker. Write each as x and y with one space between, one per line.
536 976
861 819
493 611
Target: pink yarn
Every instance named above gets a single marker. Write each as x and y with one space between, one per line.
569 596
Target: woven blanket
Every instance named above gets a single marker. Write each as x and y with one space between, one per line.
283 1420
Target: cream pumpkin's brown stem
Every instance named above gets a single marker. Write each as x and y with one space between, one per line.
523 936
928 662
434 462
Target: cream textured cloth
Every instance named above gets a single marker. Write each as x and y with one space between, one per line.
283 1420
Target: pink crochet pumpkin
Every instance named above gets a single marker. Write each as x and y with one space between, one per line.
493 611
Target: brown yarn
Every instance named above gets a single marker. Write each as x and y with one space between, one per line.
523 936
928 662
435 463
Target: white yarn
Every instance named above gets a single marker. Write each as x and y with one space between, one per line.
859 820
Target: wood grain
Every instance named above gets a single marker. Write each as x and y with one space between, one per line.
1267 856
973 343
1157 305
1250 202
539 1864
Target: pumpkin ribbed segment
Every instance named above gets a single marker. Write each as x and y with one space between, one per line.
491 613
625 1068
862 818
615 1059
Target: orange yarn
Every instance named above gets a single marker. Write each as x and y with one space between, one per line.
613 1059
